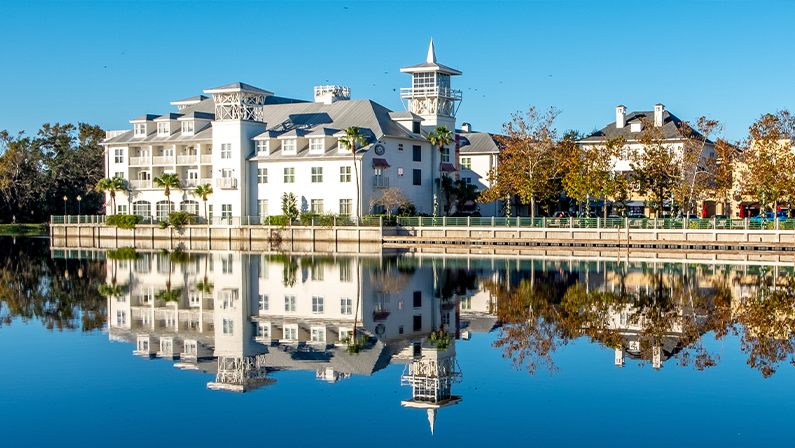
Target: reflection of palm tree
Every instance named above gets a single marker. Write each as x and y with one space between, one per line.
167 181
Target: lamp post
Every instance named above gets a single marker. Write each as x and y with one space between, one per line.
78 204
64 204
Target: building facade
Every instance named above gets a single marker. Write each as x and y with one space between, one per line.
252 146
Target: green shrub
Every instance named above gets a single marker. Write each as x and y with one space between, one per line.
179 220
327 219
306 218
278 220
123 221
163 224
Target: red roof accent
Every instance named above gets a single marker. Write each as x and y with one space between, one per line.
380 163
448 168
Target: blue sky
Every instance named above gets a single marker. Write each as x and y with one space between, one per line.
107 62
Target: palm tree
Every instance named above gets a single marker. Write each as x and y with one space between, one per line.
353 137
167 181
440 137
203 191
111 185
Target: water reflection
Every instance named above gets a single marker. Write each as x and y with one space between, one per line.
241 317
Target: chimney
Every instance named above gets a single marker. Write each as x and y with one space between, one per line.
658 115
466 127
621 116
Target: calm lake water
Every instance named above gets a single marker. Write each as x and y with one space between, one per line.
147 348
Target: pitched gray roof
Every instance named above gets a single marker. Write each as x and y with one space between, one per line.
191 100
238 86
478 142
671 125
198 115
168 117
430 67
405 115
145 117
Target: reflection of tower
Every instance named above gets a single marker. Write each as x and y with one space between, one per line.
240 373
431 375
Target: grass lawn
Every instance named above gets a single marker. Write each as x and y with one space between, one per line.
24 229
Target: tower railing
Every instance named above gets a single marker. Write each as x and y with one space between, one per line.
430 92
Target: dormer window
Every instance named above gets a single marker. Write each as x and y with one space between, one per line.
315 145
343 147
262 146
163 128
288 147
187 127
415 127
140 129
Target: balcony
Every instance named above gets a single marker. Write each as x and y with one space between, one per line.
163 160
192 183
381 181
206 158
140 161
430 92
187 160
140 184
226 183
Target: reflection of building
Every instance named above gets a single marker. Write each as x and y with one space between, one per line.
243 317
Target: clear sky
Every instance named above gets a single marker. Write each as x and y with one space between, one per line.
108 62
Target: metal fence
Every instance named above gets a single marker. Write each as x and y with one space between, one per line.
599 223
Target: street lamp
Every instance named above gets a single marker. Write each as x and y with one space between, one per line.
78 204
64 204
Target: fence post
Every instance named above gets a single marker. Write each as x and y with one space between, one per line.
746 223
492 221
469 221
380 221
444 221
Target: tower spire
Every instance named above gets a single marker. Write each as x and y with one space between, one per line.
431 53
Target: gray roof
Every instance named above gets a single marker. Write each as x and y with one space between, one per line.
405 115
191 100
478 142
671 125
198 115
430 67
168 117
145 117
238 87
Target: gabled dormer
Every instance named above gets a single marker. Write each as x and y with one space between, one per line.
265 143
143 125
320 140
194 122
409 121
342 148
292 142
167 124
181 104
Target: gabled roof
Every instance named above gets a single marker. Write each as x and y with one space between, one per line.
478 142
197 116
168 117
146 117
238 87
189 101
405 116
670 129
322 132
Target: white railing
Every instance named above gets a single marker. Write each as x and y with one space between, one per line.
163 160
140 161
429 92
226 182
140 184
206 158
188 183
183 160
380 181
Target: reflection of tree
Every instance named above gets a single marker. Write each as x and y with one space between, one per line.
768 320
666 318
61 294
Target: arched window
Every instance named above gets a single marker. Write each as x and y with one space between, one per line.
164 208
191 207
142 208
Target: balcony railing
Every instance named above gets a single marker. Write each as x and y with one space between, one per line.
226 182
140 184
380 182
163 160
190 183
430 92
137 161
206 158
187 160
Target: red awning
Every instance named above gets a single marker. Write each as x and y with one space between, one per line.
448 168
380 163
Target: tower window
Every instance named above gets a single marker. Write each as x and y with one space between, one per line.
226 150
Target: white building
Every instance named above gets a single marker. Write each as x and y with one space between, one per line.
253 146
631 127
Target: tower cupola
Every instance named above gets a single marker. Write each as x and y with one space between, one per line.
431 95
238 101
